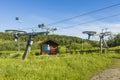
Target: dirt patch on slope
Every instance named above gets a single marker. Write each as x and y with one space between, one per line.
112 73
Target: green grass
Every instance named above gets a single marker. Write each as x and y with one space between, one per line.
60 67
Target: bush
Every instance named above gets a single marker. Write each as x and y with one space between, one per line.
10 46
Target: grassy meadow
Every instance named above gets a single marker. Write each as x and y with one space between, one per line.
55 67
82 61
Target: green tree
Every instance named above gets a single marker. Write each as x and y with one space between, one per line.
114 40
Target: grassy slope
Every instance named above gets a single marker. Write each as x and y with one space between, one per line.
60 67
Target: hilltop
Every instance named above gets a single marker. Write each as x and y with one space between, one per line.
7 41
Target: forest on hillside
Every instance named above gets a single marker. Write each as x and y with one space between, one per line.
7 41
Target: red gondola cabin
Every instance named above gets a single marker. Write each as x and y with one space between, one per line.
49 47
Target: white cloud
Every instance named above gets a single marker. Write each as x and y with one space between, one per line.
97 26
33 21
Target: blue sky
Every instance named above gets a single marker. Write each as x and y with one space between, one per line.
34 12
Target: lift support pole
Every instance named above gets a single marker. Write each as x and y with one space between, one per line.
31 35
27 47
101 45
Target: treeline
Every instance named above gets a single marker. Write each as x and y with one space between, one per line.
7 41
114 40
